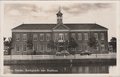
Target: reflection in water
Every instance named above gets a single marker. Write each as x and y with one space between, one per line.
55 68
90 69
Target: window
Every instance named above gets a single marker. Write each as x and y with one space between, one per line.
44 47
85 47
102 36
102 47
80 47
79 36
56 36
35 37
48 36
41 37
86 36
41 47
73 35
17 48
17 37
61 37
96 36
24 37
73 49
47 48
97 48
66 36
35 47
24 47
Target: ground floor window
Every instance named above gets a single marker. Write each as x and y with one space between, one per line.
80 47
17 48
97 48
102 47
41 47
24 47
35 47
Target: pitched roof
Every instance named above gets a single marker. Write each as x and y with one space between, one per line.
73 26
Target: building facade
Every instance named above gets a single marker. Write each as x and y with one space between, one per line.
41 34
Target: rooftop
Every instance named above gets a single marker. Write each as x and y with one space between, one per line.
72 26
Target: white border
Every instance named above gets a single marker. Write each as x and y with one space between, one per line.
63 75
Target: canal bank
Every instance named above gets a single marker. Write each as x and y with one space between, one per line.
71 59
60 66
47 64
62 61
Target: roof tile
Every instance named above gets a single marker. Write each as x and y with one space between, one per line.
73 26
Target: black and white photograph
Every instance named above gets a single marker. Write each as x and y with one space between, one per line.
59 37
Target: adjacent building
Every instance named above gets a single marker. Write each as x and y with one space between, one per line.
41 34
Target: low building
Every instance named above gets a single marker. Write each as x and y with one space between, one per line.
41 34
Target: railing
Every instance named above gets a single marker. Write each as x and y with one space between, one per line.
44 57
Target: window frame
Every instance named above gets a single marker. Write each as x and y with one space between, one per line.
86 36
102 46
79 34
24 47
102 36
48 36
17 36
17 48
96 36
73 35
24 37
35 36
41 37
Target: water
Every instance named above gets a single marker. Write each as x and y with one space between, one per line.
58 69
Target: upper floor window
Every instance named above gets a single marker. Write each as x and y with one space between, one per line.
61 36
17 37
96 36
35 37
73 35
48 36
79 36
86 36
102 36
24 37
55 36
41 37
66 36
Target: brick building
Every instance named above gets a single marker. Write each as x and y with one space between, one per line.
42 33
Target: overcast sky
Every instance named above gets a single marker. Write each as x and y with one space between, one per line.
73 12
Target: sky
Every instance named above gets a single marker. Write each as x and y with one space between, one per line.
73 12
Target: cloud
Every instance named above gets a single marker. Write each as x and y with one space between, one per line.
15 12
79 8
39 10
24 9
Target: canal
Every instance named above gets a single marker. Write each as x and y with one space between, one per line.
60 67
